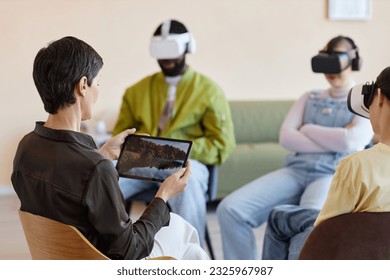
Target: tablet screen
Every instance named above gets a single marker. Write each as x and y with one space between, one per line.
152 158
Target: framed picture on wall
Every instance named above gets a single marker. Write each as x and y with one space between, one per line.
349 9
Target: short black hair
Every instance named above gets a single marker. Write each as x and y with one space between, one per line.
336 41
59 67
383 82
176 28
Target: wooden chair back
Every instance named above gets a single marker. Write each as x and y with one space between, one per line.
51 240
352 236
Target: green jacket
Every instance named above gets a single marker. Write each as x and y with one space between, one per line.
201 114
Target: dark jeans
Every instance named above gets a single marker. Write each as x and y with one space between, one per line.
287 229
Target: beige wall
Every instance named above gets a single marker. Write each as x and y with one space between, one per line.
255 49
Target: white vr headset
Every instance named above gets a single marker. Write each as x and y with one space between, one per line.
171 46
360 98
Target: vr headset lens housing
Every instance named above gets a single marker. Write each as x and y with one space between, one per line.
360 98
170 47
330 63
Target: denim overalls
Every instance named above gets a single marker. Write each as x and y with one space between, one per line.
325 112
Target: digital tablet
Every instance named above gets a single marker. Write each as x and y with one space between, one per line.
152 158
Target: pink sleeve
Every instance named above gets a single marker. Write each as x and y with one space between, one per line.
354 137
291 137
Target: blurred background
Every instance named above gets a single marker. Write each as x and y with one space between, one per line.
254 49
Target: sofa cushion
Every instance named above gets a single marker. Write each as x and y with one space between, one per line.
256 128
248 162
258 121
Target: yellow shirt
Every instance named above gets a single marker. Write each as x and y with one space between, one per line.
361 184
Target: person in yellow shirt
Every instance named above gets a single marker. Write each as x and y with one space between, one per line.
361 182
179 102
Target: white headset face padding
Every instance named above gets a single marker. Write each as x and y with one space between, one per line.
360 98
171 46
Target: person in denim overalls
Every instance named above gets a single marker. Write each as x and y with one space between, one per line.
319 130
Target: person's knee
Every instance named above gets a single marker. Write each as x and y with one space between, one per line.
224 208
199 176
179 222
280 219
280 213
275 220
289 219
186 227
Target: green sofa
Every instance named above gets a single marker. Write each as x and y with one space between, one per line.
256 128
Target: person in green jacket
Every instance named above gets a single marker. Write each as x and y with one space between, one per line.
180 103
